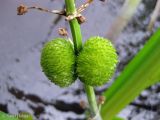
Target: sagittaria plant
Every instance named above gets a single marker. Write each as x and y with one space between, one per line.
63 61
94 63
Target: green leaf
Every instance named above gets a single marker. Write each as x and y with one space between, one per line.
4 116
142 72
117 118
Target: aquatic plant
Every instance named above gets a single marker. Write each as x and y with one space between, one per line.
94 63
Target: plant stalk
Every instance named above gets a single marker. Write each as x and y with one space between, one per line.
77 40
74 25
92 102
122 19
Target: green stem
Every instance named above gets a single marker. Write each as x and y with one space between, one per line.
92 102
77 40
74 25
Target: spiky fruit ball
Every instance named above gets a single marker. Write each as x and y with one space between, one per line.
97 61
57 61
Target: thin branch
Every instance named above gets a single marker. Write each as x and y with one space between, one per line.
62 12
84 6
22 9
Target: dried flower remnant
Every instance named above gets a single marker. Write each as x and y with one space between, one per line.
77 14
22 9
83 104
101 100
81 19
62 32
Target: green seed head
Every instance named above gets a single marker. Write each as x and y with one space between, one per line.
57 61
97 61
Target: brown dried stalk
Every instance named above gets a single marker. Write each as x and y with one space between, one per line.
22 9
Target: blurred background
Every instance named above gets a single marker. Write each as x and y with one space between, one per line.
23 86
